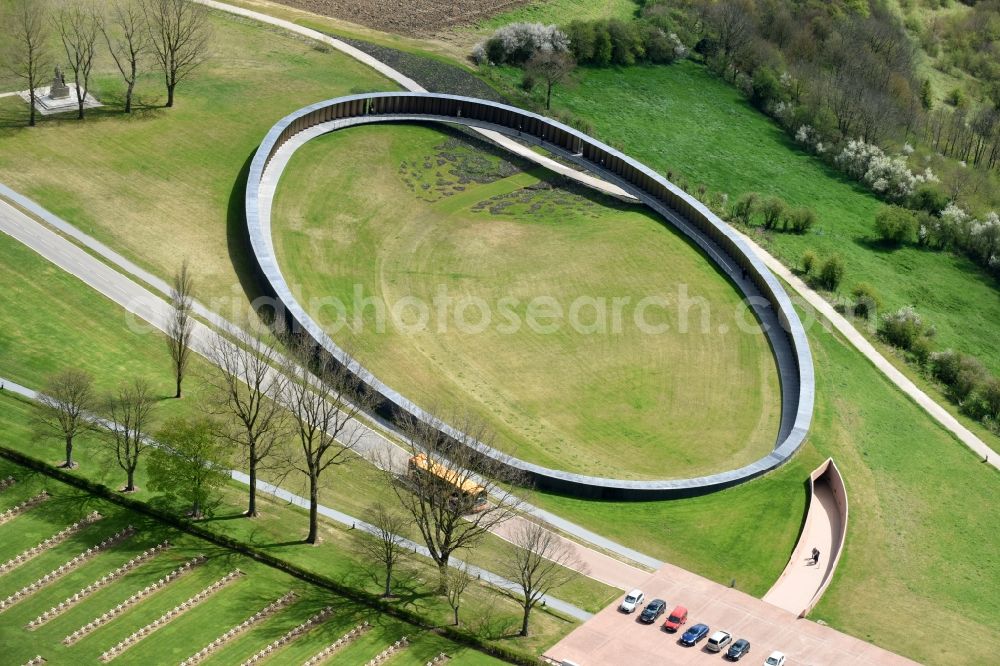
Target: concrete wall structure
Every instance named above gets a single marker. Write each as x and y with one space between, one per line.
721 244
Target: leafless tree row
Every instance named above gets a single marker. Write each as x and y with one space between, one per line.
173 35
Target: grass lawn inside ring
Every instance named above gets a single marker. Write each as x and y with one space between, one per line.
762 290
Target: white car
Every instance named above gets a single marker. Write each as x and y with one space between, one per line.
632 601
719 641
776 659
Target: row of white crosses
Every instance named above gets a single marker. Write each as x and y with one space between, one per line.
15 511
290 636
37 660
103 581
259 616
343 641
170 615
440 659
51 542
66 567
385 654
7 483
111 614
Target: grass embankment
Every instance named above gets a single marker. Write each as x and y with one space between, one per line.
561 11
192 630
598 398
55 321
165 184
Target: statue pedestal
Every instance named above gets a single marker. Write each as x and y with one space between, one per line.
47 104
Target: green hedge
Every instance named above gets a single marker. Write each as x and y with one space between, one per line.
364 597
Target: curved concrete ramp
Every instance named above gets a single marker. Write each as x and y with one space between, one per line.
802 583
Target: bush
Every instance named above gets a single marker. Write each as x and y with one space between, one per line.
984 403
866 300
517 42
831 273
744 207
800 220
895 225
902 328
766 88
929 198
772 208
922 349
809 261
961 373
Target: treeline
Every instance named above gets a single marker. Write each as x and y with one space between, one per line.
615 42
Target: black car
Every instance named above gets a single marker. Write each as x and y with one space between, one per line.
738 650
653 610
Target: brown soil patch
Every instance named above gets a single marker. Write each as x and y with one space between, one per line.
417 18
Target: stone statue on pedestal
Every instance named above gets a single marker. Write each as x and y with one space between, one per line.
59 89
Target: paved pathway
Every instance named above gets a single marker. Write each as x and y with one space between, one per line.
802 578
148 308
344 519
845 328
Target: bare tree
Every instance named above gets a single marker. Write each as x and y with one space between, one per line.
325 403
457 580
128 43
181 323
539 562
385 545
129 413
78 23
179 34
65 405
248 389
446 483
552 67
28 55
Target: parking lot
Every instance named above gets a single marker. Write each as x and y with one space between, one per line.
613 638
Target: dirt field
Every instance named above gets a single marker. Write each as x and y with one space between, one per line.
406 17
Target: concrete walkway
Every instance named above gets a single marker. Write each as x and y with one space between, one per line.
149 309
845 328
798 584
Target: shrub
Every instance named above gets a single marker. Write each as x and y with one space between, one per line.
902 328
800 220
886 175
772 208
929 198
985 402
922 349
517 42
866 300
528 82
961 373
744 207
895 225
766 88
831 273
809 261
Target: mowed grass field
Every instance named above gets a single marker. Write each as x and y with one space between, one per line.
586 390
188 632
681 118
167 184
921 542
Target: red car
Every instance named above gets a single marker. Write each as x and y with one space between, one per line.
677 617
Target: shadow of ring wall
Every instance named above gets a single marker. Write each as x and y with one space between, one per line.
733 257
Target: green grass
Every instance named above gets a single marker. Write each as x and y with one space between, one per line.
36 341
617 402
681 118
165 184
190 631
922 516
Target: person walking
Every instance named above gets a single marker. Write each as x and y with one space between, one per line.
815 555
